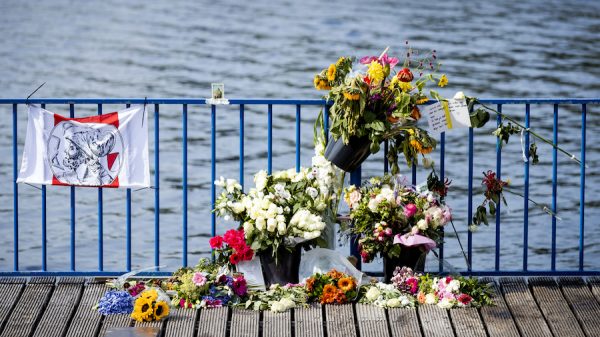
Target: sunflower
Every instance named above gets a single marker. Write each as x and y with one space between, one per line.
161 310
443 81
331 73
346 284
142 310
150 294
330 289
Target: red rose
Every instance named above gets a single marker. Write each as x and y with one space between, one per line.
216 242
246 253
405 75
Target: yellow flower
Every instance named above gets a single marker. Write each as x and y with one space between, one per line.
316 81
416 145
331 73
161 310
346 284
375 72
443 81
340 61
142 311
405 86
351 97
422 100
393 83
150 294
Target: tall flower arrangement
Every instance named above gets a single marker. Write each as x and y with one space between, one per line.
285 208
384 212
378 98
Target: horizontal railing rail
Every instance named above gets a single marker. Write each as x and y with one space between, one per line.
355 178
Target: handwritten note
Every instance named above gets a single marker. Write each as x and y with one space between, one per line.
444 116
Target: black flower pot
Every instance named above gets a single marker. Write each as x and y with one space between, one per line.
284 270
348 156
412 257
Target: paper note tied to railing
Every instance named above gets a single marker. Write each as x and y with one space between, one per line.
446 115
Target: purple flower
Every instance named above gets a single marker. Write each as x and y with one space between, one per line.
115 302
212 302
240 286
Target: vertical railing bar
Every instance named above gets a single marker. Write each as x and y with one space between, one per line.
499 173
442 178
582 188
156 189
326 122
100 220
385 159
270 139
413 168
526 191
15 192
72 115
554 183
298 120
242 145
184 137
44 223
470 203
128 224
213 175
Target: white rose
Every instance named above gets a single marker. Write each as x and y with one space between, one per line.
312 192
271 225
260 223
281 227
248 228
372 294
238 207
393 303
287 303
260 179
453 286
446 303
430 298
277 307
422 224
373 205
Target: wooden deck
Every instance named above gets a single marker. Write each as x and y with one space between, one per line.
538 306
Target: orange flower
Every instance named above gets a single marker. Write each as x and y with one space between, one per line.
392 119
346 284
421 297
340 298
335 274
415 113
327 298
416 145
426 150
329 289
310 283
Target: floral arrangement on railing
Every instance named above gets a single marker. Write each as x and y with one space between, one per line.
387 214
285 208
378 100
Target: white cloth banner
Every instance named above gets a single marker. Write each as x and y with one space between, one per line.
109 150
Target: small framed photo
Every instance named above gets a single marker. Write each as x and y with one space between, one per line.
218 90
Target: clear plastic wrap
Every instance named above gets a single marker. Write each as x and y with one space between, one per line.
320 260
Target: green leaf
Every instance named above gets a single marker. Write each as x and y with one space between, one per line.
492 207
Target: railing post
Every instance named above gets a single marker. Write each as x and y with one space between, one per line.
184 137
15 192
72 115
582 187
355 179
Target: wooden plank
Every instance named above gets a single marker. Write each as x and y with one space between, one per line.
114 321
521 303
60 308
10 295
308 322
212 322
181 323
13 280
498 319
29 308
594 283
435 321
340 320
371 321
86 320
584 304
466 322
555 308
404 322
244 323
277 324
158 325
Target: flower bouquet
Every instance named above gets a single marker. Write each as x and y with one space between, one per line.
375 101
278 298
385 296
150 306
393 220
284 211
331 288
231 248
207 285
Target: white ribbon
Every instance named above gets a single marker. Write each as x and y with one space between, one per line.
523 146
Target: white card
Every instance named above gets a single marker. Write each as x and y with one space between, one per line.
444 116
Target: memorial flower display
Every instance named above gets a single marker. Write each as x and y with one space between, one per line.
149 306
277 298
333 287
385 296
231 248
387 214
284 208
377 98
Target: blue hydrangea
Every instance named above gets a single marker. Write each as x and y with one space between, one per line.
115 302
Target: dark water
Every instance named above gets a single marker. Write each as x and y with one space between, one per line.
267 49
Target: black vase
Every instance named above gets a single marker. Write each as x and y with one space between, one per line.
412 257
284 270
348 156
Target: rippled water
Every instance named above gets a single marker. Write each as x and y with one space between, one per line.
264 49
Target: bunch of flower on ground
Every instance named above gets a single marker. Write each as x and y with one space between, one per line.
277 298
333 287
385 296
208 285
149 307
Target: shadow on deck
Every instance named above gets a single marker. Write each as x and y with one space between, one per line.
540 306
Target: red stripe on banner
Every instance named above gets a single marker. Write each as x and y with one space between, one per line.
114 184
111 159
110 118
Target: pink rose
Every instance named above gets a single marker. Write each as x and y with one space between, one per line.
410 210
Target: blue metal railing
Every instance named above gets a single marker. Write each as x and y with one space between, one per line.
355 178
